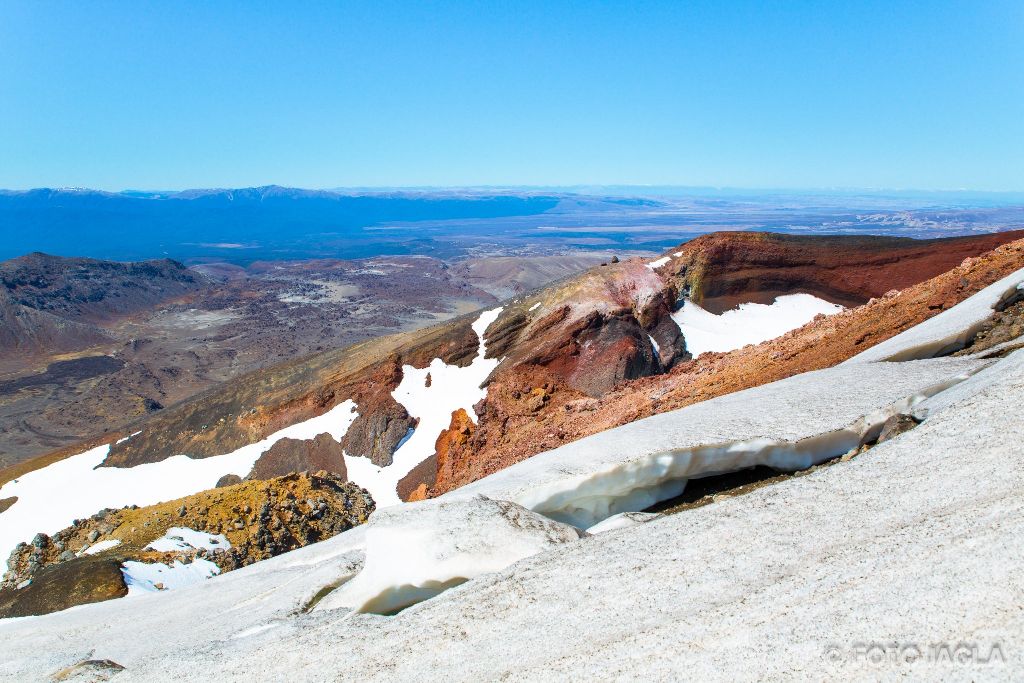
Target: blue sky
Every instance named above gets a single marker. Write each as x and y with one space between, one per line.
745 94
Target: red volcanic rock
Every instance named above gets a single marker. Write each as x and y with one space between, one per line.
722 270
300 455
415 485
595 331
450 444
513 425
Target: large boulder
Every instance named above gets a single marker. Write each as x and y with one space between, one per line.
300 455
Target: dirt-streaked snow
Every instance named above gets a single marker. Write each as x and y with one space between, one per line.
749 323
948 331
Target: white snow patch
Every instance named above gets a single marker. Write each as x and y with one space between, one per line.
143 578
101 546
179 538
749 324
658 263
535 307
414 552
52 497
128 437
678 254
622 520
657 349
451 388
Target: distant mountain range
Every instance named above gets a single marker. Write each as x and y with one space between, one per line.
135 225
273 223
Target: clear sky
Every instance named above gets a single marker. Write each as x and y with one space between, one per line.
748 94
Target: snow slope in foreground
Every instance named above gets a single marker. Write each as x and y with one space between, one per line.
748 324
829 560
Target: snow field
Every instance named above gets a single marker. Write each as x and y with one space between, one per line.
748 324
143 578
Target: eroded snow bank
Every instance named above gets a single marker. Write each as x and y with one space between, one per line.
51 498
450 388
639 464
950 330
414 552
748 324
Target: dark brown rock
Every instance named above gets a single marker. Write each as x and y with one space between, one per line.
378 430
896 425
229 480
300 455
421 478
63 585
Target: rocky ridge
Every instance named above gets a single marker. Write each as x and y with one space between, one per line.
260 519
529 409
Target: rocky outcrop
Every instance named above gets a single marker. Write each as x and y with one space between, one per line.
259 519
513 425
382 421
60 585
722 270
301 455
609 325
